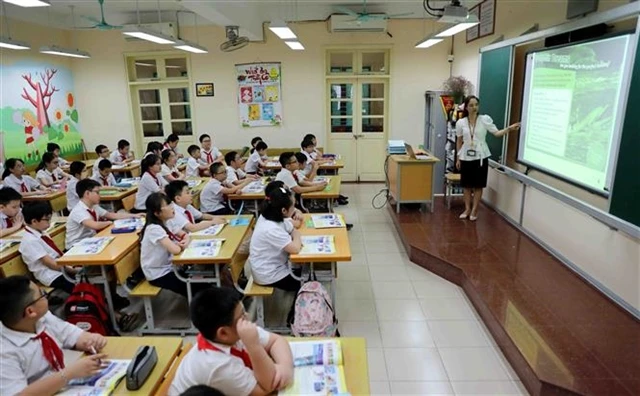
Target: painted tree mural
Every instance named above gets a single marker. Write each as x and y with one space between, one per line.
42 100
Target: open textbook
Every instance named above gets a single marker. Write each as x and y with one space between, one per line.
194 183
103 383
135 222
327 220
318 244
7 243
198 248
89 246
209 231
255 187
318 368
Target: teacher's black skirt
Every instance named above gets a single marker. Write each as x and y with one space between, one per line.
474 175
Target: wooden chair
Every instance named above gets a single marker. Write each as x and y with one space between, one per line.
163 390
251 289
128 202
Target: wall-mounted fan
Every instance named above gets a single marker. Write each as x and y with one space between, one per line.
364 16
102 23
234 40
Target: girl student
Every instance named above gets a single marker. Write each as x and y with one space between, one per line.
48 171
169 169
15 176
150 182
171 143
76 171
159 244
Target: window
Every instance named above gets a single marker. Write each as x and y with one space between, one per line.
358 62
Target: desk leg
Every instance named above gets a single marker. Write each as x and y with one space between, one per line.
109 298
397 207
256 207
330 205
229 202
302 205
185 280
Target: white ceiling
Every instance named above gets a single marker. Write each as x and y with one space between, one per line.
249 15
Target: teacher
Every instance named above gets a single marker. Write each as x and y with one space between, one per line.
473 153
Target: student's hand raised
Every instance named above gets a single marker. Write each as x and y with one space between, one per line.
85 367
248 332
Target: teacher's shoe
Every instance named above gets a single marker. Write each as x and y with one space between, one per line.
473 218
464 215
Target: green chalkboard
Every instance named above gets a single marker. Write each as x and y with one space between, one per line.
495 71
626 183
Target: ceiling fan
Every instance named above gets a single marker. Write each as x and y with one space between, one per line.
102 23
364 16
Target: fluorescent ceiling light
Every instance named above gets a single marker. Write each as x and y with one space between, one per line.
55 50
294 45
428 42
6 42
281 30
190 47
147 34
29 3
460 27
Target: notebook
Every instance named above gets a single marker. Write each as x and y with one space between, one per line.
318 368
199 248
318 244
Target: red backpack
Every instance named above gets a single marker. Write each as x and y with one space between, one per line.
86 308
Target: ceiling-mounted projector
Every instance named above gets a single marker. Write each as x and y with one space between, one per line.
454 13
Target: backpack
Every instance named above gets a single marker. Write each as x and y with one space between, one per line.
313 312
86 308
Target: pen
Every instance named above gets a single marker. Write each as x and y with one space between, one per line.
93 352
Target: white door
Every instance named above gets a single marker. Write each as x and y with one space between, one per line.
358 126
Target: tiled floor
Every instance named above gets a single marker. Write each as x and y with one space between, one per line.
423 335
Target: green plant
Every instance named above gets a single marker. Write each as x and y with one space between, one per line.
459 87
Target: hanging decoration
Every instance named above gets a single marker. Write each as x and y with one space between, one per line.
259 94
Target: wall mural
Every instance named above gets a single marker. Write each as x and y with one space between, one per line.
37 107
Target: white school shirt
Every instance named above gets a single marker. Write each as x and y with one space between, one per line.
96 169
155 260
484 124
33 249
111 180
72 195
309 164
76 231
47 176
15 183
212 197
180 220
116 157
217 369
287 178
192 167
301 176
63 162
167 147
22 360
166 171
213 153
253 163
314 154
3 221
269 261
148 185
232 176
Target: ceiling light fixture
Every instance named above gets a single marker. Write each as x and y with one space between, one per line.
55 50
190 47
470 22
428 42
6 42
29 3
280 29
147 34
295 45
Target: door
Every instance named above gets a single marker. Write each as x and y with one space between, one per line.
358 122
161 110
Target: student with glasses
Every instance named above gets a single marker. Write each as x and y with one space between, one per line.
213 195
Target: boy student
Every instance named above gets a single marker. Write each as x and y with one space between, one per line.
255 161
10 217
232 354
235 175
32 340
186 215
103 153
121 155
195 165
212 197
87 217
75 174
316 155
104 177
289 164
54 149
301 177
209 154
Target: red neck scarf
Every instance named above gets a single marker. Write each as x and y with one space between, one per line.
209 157
189 216
93 214
105 181
49 242
24 188
204 345
155 179
51 351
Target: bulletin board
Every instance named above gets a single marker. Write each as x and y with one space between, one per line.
259 94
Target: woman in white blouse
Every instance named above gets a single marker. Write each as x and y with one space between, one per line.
473 153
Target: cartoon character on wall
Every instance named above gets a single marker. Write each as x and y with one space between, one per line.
31 132
254 112
246 94
272 93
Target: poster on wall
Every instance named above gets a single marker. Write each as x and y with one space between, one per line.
37 106
259 94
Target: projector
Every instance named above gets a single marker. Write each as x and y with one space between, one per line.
454 14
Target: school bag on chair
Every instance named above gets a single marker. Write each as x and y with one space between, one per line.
314 315
86 308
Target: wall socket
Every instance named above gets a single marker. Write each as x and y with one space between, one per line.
450 58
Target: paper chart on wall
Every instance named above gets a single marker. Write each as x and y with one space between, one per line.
259 94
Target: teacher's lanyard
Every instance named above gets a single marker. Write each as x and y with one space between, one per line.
472 132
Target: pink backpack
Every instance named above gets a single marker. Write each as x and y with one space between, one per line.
313 312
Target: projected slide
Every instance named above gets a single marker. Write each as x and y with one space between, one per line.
570 111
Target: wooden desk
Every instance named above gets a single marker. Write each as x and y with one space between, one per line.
335 165
410 180
57 199
115 196
331 192
341 237
195 191
126 347
133 168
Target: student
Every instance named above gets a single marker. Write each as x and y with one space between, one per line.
171 143
104 177
212 197
32 340
154 148
150 182
209 154
289 164
159 244
15 176
169 169
255 141
75 174
10 217
202 390
315 154
48 173
255 161
38 250
303 179
54 149
122 155
195 166
187 217
232 354
87 217
235 175
103 153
